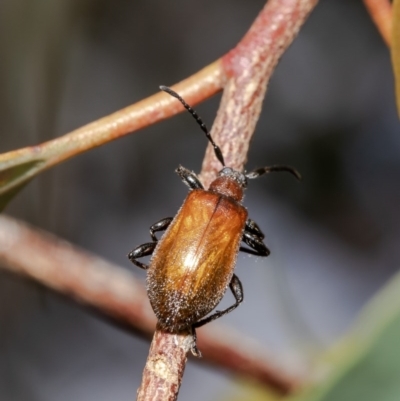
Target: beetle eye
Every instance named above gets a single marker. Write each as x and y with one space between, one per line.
226 171
234 175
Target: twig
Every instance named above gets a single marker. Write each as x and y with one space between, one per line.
165 365
114 292
248 68
158 107
64 268
381 13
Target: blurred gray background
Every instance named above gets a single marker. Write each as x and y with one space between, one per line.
329 111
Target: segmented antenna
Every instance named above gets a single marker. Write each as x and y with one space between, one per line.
217 149
265 170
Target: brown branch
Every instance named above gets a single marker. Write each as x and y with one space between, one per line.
114 292
158 107
151 110
248 67
164 368
84 277
381 13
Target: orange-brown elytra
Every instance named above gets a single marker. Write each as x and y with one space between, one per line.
192 264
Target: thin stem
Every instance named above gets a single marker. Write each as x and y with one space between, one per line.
249 67
158 107
165 365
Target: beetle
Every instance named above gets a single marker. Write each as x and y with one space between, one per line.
193 263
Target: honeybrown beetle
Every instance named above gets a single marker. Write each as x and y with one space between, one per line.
192 264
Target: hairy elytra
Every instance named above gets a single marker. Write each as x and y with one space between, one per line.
193 263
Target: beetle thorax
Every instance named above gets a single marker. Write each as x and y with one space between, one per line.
229 183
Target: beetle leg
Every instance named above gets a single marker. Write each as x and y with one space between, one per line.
254 242
195 351
253 228
237 290
253 237
159 226
189 178
140 251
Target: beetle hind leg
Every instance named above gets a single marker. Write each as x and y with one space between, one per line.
237 290
195 351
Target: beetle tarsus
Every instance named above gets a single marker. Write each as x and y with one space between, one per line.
195 351
189 178
159 226
142 250
237 290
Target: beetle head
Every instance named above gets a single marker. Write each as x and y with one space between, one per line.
234 175
230 183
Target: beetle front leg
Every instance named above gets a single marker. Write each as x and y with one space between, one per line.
189 178
237 290
159 226
139 252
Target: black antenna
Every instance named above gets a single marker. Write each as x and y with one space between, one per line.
265 170
217 149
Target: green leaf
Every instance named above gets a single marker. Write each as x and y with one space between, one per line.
395 50
366 365
13 178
